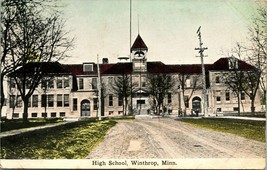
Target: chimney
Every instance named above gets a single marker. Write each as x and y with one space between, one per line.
105 60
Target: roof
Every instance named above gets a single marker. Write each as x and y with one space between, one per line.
158 67
222 64
139 44
189 68
126 68
118 68
44 67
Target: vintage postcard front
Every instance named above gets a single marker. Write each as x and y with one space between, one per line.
131 84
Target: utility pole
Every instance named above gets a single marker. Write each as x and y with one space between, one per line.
131 107
99 90
201 50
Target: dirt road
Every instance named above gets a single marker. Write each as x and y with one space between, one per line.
168 138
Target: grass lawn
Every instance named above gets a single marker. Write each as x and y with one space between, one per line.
246 128
69 141
19 124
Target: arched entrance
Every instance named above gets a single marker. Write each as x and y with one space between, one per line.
85 107
196 104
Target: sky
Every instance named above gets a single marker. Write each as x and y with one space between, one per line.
168 27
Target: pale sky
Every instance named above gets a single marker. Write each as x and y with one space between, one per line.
168 27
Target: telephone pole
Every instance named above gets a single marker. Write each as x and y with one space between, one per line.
201 50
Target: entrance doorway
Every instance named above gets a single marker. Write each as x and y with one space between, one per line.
85 107
196 104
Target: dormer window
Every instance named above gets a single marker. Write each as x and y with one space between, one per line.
232 63
88 67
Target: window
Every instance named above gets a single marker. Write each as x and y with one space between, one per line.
51 83
235 109
120 100
218 99
227 96
44 114
59 83
94 83
12 83
43 99
217 79
12 101
218 96
188 83
66 100
219 109
18 101
43 84
95 103
232 63
120 112
75 104
243 96
35 101
50 100
141 102
28 84
88 67
66 82
62 114
53 114
143 84
15 115
34 114
80 83
29 102
110 80
110 100
169 98
110 112
59 100
186 101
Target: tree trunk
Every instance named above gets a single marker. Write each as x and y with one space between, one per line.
238 103
25 110
2 94
252 106
126 105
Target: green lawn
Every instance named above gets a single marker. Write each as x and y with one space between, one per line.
246 128
19 124
69 141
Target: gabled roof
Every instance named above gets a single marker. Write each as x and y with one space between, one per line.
139 44
222 64
44 67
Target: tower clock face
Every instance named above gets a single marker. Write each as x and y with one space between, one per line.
139 54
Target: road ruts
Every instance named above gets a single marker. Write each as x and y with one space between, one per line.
167 138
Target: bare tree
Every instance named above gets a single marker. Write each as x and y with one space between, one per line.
193 85
123 87
159 85
257 49
39 37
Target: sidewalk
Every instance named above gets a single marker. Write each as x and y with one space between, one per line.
238 117
20 131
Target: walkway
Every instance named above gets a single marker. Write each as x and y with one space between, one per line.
243 118
24 130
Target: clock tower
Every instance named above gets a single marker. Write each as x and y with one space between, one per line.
138 51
